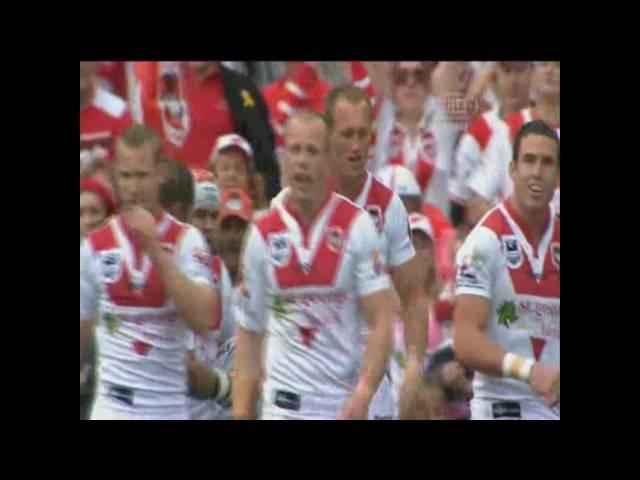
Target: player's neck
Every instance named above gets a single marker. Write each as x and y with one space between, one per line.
307 209
350 187
535 220
548 110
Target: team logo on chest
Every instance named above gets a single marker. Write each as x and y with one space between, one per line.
279 249
555 254
512 251
335 239
110 266
376 215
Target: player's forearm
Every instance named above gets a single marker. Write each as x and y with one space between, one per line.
193 302
415 317
246 381
477 351
377 351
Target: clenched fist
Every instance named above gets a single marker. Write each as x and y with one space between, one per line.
141 224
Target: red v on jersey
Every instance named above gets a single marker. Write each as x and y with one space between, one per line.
538 345
324 266
123 292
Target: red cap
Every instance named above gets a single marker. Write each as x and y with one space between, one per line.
235 203
100 189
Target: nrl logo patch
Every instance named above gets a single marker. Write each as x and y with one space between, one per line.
110 266
279 250
555 254
512 251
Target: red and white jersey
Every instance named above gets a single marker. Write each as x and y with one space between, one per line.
389 217
100 124
141 340
304 286
207 348
522 283
470 151
492 181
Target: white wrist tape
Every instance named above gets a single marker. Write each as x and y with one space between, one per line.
514 366
224 384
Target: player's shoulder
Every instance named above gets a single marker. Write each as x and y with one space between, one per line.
102 237
269 222
380 194
349 216
486 234
109 103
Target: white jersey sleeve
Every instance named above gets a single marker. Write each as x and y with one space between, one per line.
468 159
365 244
89 287
226 290
193 257
477 262
249 298
400 246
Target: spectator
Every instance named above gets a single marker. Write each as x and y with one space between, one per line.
512 83
206 209
299 88
454 380
177 189
200 101
112 76
235 216
97 204
232 164
414 131
103 116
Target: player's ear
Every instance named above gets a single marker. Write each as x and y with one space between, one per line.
512 169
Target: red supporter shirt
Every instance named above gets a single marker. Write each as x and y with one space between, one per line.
275 92
210 118
112 76
100 124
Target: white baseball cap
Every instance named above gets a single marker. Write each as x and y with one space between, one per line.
400 179
206 193
417 221
232 140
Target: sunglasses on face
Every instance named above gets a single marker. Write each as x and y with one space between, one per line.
402 76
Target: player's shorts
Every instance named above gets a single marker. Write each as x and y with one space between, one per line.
381 407
281 404
103 409
509 410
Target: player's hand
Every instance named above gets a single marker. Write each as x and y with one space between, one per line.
545 382
141 224
357 407
410 399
